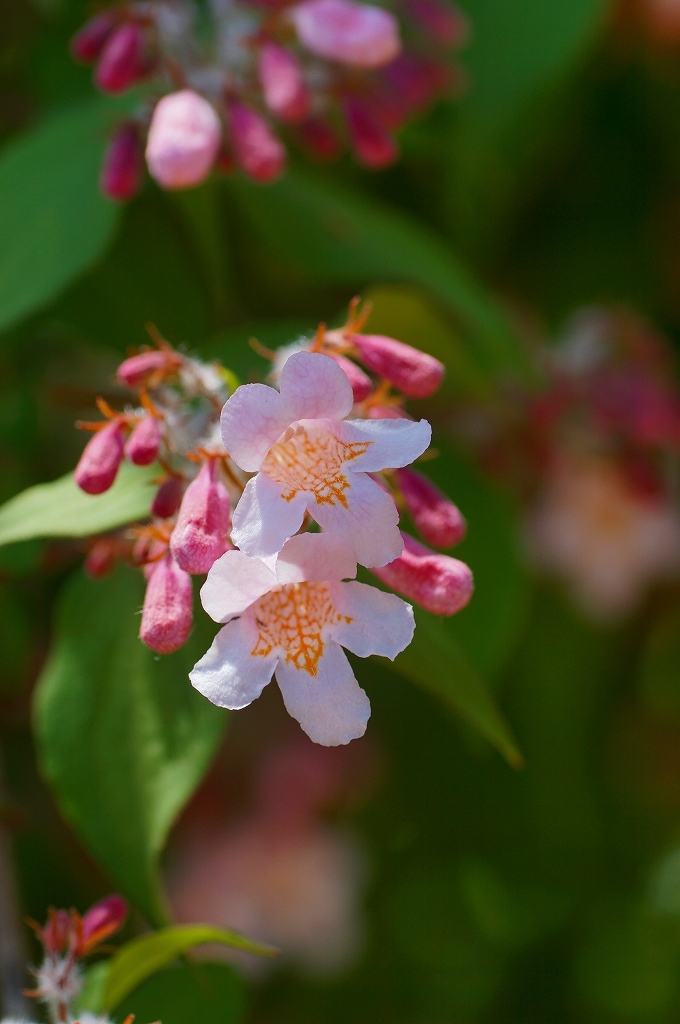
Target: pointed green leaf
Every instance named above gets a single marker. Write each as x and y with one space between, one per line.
190 993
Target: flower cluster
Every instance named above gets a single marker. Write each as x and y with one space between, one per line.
327 451
213 83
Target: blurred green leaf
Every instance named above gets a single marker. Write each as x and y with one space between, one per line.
61 509
143 956
54 222
123 738
659 679
206 993
665 885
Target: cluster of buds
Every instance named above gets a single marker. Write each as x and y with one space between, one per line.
325 71
67 938
330 449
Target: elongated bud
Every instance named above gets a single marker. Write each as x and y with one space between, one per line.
415 373
168 498
362 385
410 83
440 584
138 371
361 35
202 529
443 23
89 41
257 150
283 84
184 139
123 60
167 613
55 935
101 558
101 458
435 515
102 920
372 142
144 441
319 139
121 174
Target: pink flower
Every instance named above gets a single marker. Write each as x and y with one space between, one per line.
415 373
283 85
184 139
102 920
435 515
200 536
361 35
123 60
89 41
121 172
257 150
307 457
440 584
372 142
167 613
293 620
140 370
103 454
144 441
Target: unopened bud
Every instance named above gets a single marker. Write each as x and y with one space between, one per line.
184 139
138 371
167 613
55 934
88 43
415 373
361 35
283 84
435 515
257 150
387 412
440 584
443 23
101 458
101 558
144 441
362 385
372 142
123 60
319 139
201 533
102 920
121 173
168 498
410 83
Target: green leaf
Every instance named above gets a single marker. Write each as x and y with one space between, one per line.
61 509
206 993
138 959
123 738
54 222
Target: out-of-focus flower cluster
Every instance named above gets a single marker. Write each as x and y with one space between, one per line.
216 85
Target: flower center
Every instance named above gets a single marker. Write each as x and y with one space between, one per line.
312 461
293 618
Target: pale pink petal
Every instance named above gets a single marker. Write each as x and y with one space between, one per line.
331 707
380 623
315 556
263 520
369 524
229 675
313 386
233 584
252 420
361 35
395 443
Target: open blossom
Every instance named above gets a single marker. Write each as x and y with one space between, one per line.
291 617
308 457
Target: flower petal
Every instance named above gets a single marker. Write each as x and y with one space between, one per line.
380 623
315 556
263 520
313 386
229 675
252 420
369 523
234 582
396 443
331 707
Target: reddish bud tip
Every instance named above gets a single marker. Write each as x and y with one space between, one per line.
319 139
138 370
435 515
101 558
102 920
440 584
121 174
144 442
362 385
257 150
101 458
184 140
167 613
443 23
55 935
123 60
415 373
202 529
372 142
89 41
360 35
168 498
283 84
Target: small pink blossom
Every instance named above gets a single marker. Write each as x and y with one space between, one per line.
257 149
123 61
103 454
435 515
415 373
361 35
283 84
138 371
102 920
184 139
200 535
121 173
307 457
440 584
167 613
144 441
293 620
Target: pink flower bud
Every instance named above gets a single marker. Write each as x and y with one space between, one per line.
184 139
410 83
101 558
362 385
137 371
373 144
283 85
200 535
144 442
89 41
123 60
435 515
256 148
361 35
121 173
319 139
440 584
387 412
55 935
102 920
101 458
168 498
415 373
167 613
445 24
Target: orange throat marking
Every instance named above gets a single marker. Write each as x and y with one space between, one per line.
292 618
312 461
